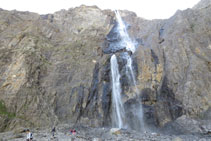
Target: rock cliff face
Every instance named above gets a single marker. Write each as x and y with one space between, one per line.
55 68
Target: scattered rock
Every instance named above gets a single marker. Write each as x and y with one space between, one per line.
97 139
115 131
98 134
177 139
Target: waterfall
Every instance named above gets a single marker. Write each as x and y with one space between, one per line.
118 109
130 72
124 35
136 110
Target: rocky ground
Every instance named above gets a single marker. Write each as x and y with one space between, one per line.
99 134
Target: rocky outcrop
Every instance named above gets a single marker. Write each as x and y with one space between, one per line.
202 4
50 65
55 68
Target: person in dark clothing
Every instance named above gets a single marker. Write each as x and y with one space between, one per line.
53 132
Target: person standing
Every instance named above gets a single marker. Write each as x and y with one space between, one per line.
29 135
53 132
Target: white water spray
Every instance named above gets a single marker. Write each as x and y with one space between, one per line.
138 109
124 35
129 45
130 72
118 109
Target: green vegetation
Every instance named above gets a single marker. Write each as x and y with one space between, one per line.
3 111
192 27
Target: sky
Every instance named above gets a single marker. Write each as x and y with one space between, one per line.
148 9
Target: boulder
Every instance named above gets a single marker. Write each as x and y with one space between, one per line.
115 131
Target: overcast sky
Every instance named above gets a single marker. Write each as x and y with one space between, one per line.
149 9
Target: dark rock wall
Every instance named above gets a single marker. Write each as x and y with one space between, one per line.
55 68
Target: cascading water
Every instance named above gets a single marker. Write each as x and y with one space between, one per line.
136 110
129 71
118 109
124 35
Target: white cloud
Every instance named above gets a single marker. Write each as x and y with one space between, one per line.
149 9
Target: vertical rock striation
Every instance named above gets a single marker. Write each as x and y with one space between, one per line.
55 68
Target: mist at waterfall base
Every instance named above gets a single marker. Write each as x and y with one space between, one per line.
124 117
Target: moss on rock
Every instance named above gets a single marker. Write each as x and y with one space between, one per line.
4 111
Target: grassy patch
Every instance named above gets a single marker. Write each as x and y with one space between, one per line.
3 111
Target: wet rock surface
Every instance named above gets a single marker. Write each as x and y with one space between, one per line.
55 69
